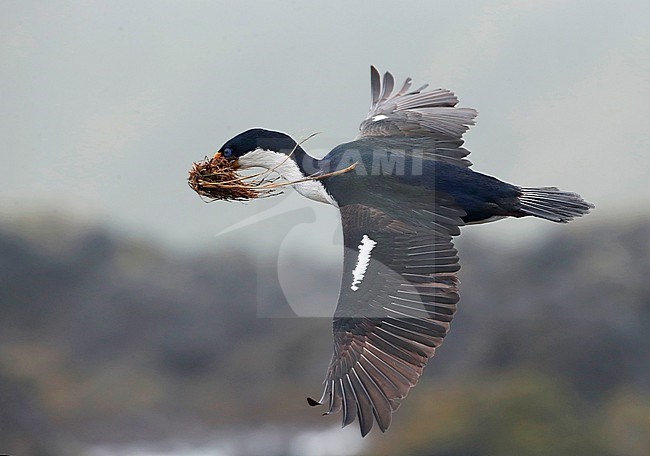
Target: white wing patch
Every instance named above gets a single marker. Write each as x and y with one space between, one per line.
363 260
379 117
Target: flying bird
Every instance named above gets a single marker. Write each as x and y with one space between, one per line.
404 188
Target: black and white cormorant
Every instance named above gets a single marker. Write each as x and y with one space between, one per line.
411 191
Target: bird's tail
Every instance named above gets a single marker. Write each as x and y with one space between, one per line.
551 203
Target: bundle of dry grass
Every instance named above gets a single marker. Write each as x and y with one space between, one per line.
216 179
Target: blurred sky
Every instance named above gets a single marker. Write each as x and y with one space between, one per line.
105 105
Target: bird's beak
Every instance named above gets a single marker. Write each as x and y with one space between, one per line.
234 163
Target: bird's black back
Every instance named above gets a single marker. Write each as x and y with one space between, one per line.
386 175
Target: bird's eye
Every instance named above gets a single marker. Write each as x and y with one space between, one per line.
227 152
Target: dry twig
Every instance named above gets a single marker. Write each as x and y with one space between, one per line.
216 179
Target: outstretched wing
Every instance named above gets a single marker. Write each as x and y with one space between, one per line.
398 296
413 113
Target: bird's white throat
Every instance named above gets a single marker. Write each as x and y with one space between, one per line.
286 168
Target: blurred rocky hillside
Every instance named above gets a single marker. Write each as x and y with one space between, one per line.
105 339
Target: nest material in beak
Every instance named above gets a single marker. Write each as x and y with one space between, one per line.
216 178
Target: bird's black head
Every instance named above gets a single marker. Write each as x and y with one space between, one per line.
257 138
